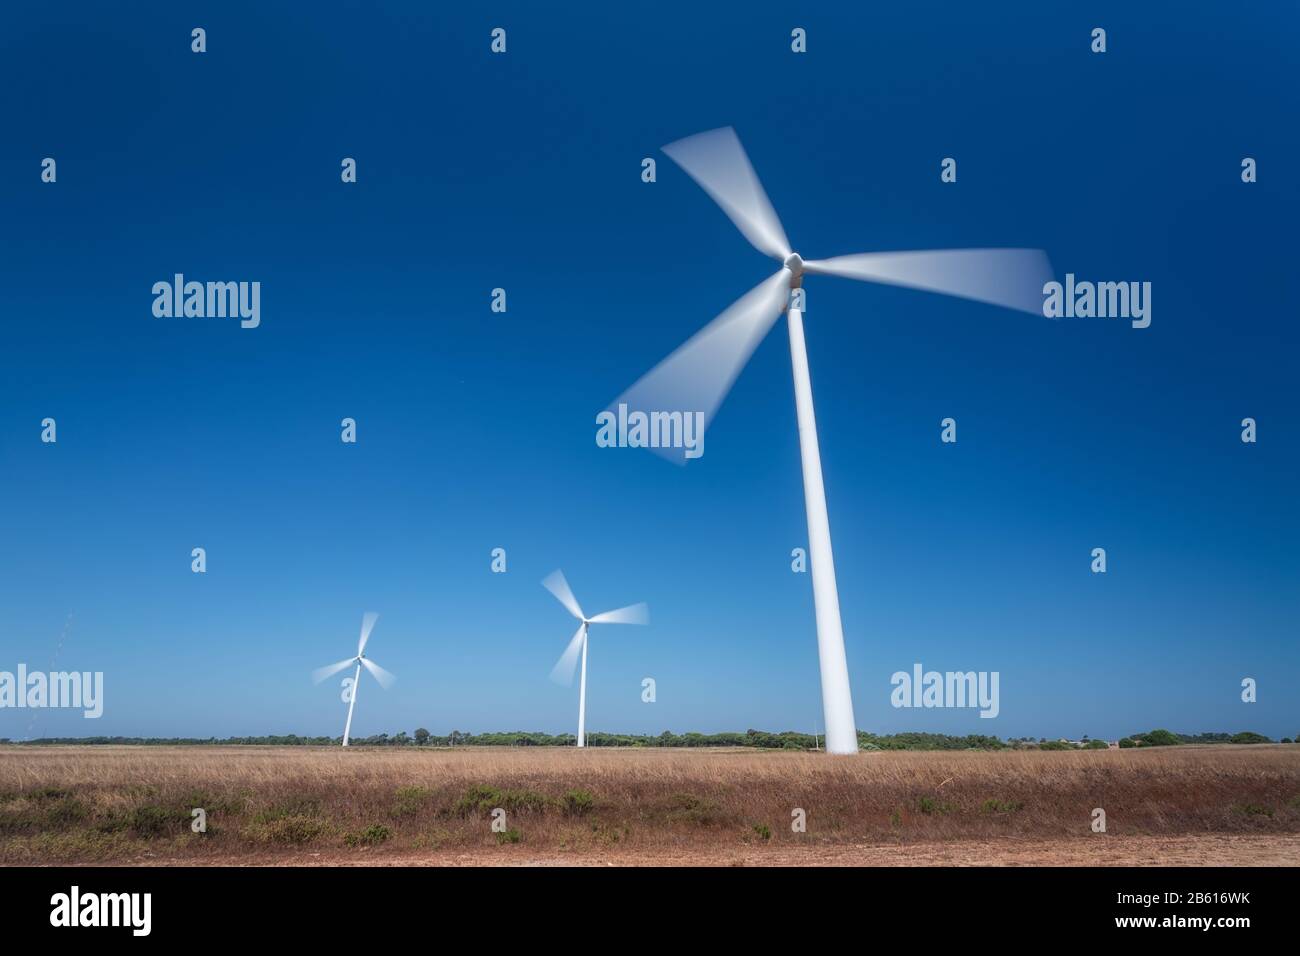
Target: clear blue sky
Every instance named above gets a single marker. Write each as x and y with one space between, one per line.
477 429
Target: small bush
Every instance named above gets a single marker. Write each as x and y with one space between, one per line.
289 830
478 799
1096 745
1127 742
1254 810
763 830
687 808
1000 806
578 803
509 836
284 811
66 811
482 800
151 821
932 807
410 800
372 835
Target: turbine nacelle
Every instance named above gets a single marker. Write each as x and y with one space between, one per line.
794 262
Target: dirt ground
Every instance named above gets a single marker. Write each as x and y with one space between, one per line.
1100 850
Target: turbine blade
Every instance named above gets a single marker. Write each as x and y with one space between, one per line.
717 161
557 585
562 672
696 377
324 673
386 680
1012 278
632 614
367 625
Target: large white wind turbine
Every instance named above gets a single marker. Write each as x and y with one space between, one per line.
562 673
385 679
697 376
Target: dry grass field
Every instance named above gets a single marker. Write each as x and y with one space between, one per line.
302 806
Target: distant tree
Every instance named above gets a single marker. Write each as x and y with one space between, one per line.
421 736
1159 738
1096 745
1126 742
1249 737
1286 740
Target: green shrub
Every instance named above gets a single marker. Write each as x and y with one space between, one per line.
1254 810
482 799
1000 806
66 811
578 803
291 808
763 830
930 806
688 808
151 821
1096 745
509 836
290 830
410 800
478 799
232 804
372 835
1127 742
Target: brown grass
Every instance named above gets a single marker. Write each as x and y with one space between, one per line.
132 804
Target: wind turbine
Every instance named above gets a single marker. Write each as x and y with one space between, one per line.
697 376
385 679
562 672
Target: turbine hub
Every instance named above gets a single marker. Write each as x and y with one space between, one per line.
794 262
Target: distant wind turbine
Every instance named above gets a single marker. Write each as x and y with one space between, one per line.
386 680
562 673
697 376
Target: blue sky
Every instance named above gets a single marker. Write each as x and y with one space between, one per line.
476 430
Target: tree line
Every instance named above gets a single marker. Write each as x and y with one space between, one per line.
758 739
